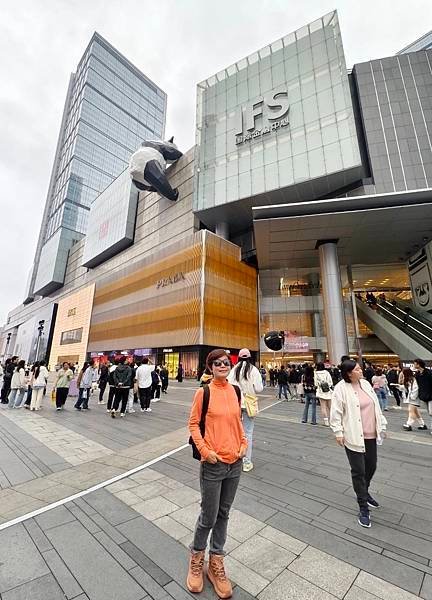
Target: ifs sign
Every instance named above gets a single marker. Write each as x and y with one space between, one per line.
272 109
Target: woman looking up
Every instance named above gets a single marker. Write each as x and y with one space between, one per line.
222 446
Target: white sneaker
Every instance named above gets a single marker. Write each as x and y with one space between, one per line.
132 410
122 414
143 410
101 402
155 399
148 409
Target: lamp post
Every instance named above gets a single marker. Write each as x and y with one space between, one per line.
40 333
8 339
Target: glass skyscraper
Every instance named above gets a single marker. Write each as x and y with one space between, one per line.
423 43
111 107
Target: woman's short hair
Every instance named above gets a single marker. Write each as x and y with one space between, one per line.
346 368
320 366
379 372
214 355
421 363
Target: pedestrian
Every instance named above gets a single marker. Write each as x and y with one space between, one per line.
18 388
248 378
308 381
123 381
393 383
263 375
324 390
358 425
410 393
294 378
222 445
1 376
64 377
84 382
369 371
9 369
379 384
180 373
282 379
38 384
424 382
164 378
103 381
272 377
131 394
144 381
156 385
111 384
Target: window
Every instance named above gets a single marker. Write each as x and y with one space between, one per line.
73 336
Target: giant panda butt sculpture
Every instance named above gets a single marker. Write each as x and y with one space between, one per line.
147 167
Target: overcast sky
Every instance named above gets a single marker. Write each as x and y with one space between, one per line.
177 43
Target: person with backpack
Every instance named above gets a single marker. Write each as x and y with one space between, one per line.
324 388
221 443
308 381
156 385
123 381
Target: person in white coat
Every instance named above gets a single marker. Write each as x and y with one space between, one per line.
250 382
324 390
19 384
38 383
358 424
408 388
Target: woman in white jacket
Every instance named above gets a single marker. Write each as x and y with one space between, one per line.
324 390
18 386
358 423
410 394
38 383
250 382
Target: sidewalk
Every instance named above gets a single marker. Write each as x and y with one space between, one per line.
292 534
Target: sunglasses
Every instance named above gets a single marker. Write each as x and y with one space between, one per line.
221 363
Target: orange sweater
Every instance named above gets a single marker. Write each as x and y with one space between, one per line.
223 427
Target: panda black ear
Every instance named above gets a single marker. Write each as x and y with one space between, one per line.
171 140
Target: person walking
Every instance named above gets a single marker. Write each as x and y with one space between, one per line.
9 369
64 377
180 373
358 424
222 445
369 371
144 381
308 381
324 389
164 379
1 376
38 384
84 382
103 381
424 382
18 386
282 379
263 375
379 384
294 378
248 378
156 385
123 381
393 383
112 388
409 390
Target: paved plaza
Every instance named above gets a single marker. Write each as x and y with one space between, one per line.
293 533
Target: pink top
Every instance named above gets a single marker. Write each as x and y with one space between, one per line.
367 412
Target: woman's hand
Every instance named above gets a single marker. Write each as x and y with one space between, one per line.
212 457
340 441
242 453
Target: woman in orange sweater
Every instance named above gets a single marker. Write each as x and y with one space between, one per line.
222 449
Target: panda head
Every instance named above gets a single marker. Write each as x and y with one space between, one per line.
168 149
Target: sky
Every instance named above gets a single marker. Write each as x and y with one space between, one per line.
176 43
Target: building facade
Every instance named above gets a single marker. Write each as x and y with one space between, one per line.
110 108
308 187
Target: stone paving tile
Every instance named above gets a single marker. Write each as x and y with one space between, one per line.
146 475
321 569
154 508
39 538
110 507
115 550
187 516
173 528
42 588
150 489
292 587
62 574
183 496
246 578
128 496
121 485
156 592
141 559
356 593
263 557
242 527
426 590
282 539
382 589
55 517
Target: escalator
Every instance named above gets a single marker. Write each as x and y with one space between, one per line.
404 329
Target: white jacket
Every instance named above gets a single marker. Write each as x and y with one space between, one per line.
42 378
19 380
323 377
345 416
252 385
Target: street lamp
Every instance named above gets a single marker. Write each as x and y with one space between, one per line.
8 339
40 332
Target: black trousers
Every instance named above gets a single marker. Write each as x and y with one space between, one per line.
121 395
156 390
363 466
5 390
61 395
164 385
145 396
102 386
396 393
111 395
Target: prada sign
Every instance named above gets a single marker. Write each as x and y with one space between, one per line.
273 110
170 280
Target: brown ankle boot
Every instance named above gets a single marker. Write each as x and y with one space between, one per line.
216 574
195 581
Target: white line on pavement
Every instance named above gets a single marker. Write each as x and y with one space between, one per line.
98 486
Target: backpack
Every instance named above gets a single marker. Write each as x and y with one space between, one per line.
206 399
324 386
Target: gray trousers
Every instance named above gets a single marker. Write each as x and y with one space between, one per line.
219 484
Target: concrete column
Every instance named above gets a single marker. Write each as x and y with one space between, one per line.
337 339
222 230
317 325
319 357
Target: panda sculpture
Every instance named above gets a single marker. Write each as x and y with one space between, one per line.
148 164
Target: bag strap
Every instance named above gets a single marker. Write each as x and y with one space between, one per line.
204 409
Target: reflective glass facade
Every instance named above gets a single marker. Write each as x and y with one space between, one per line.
110 109
277 118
